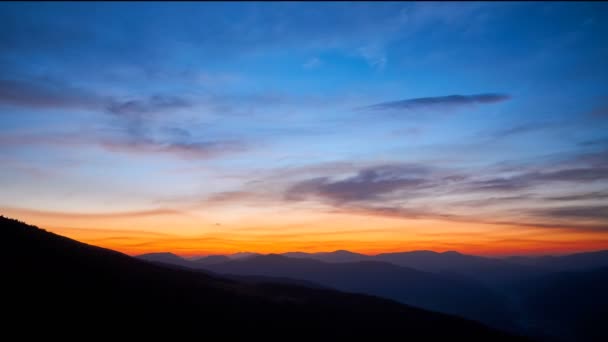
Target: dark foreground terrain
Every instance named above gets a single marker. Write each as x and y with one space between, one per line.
58 287
553 299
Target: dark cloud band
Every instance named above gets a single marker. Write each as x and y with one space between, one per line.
449 101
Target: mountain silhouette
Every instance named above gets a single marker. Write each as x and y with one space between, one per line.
166 258
62 288
566 306
211 259
445 293
336 256
571 262
490 271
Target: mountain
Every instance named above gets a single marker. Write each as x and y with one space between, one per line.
336 256
211 259
565 306
242 255
166 258
444 293
492 272
572 262
63 288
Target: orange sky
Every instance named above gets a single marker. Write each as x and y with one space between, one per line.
191 234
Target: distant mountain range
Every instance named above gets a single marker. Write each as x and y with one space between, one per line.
62 288
446 293
503 293
492 272
450 261
572 262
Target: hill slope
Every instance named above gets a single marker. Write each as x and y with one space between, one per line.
566 306
444 293
68 289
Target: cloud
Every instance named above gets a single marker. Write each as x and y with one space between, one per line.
595 159
600 111
368 184
520 129
136 115
312 63
423 213
105 215
184 150
450 101
230 196
134 134
599 212
595 170
152 104
59 139
595 142
499 184
375 57
44 94
596 195
419 191
573 175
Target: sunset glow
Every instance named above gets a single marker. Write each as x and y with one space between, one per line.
217 128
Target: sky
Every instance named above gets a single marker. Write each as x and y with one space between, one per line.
215 128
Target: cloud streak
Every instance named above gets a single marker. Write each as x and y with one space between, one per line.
44 95
598 212
597 195
55 95
438 102
368 184
416 191
531 179
105 215
153 104
540 217
185 150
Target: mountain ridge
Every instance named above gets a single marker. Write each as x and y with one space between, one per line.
54 280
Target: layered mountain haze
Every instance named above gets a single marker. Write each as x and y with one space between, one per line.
506 293
572 262
68 281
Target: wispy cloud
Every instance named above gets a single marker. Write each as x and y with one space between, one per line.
415 191
598 212
44 94
443 102
596 195
185 150
600 111
578 169
76 215
521 129
134 121
595 142
542 219
152 104
312 63
367 184
531 179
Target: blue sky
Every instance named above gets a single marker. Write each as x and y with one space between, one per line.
455 111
